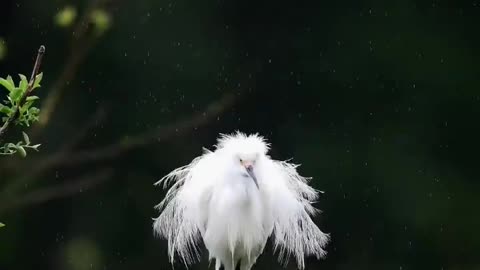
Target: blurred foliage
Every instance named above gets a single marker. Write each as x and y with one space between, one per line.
66 16
82 254
101 19
3 49
377 100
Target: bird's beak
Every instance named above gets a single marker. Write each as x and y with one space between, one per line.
249 168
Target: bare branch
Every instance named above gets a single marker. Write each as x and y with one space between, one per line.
14 115
157 135
98 117
67 158
36 167
67 188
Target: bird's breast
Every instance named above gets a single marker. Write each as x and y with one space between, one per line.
236 219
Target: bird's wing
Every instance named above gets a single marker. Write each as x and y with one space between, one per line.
183 211
291 198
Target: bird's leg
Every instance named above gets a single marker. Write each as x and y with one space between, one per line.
227 266
247 264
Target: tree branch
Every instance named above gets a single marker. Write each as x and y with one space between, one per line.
67 158
157 135
65 189
14 115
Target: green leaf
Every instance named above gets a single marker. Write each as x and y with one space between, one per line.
10 80
38 79
34 110
2 225
23 82
26 139
7 84
26 106
4 109
15 94
30 98
35 146
22 151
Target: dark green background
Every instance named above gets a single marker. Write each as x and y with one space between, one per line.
378 100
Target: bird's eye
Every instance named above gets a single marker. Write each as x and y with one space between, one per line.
241 160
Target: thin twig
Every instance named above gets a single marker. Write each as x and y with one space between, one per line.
67 188
14 115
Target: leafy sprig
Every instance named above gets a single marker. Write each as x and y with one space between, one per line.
27 113
20 147
18 108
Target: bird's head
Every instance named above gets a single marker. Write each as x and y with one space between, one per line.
246 151
246 164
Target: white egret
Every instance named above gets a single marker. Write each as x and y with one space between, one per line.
234 199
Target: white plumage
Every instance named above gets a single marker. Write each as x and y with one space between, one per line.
234 199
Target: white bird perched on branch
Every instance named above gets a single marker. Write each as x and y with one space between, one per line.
234 199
